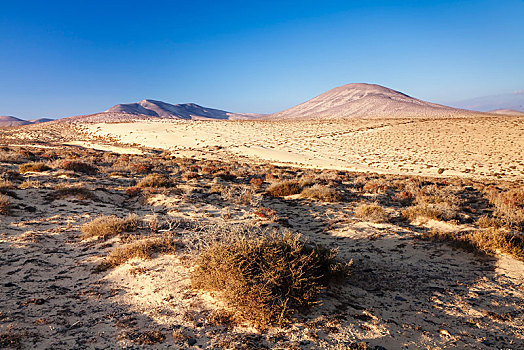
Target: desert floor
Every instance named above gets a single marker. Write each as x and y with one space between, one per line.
475 147
405 291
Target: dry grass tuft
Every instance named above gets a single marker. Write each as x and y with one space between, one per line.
141 249
509 205
372 212
438 211
321 192
156 181
283 188
266 278
490 241
77 166
5 205
33 167
109 226
486 221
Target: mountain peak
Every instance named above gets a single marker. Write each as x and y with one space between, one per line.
363 100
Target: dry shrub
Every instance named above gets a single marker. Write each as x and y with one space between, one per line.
33 167
65 190
5 205
439 211
236 194
283 188
109 226
321 192
31 184
141 249
404 197
133 191
490 241
486 221
265 279
372 212
375 187
80 167
190 175
141 168
256 182
509 205
266 213
155 180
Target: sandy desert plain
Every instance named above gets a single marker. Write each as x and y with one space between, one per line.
157 234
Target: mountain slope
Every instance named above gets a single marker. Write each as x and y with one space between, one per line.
365 101
8 120
188 111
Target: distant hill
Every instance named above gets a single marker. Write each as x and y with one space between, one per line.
507 112
513 101
366 101
8 120
188 111
40 120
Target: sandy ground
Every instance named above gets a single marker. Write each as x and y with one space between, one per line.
473 147
403 293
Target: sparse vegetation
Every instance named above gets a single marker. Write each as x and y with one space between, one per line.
33 167
5 205
490 241
440 211
283 188
509 205
140 249
267 278
109 226
155 181
371 212
321 192
78 166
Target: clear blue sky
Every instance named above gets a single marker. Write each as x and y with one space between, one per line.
62 58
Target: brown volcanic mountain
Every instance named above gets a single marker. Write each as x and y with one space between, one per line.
366 101
188 111
7 120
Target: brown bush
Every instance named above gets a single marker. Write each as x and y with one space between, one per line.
265 279
509 205
5 205
155 180
439 211
33 167
486 221
375 187
283 188
109 226
372 212
141 168
490 241
256 182
77 166
321 192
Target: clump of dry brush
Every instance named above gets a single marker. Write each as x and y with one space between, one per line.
267 278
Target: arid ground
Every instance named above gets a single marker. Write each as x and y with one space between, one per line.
103 227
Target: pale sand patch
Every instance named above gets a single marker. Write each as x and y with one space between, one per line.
470 147
105 147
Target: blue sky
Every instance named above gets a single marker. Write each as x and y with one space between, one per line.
62 58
